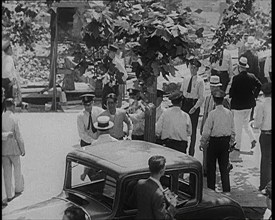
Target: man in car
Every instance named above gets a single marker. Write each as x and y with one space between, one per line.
151 203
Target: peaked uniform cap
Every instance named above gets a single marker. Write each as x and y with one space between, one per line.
175 95
87 98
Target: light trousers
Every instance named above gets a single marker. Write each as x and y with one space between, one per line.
241 120
8 162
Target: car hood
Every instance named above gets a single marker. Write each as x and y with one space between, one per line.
50 209
212 198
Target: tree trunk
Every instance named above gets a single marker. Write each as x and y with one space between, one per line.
150 115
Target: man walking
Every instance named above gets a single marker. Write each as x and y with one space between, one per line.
85 120
244 90
210 105
218 134
151 202
193 91
174 125
12 148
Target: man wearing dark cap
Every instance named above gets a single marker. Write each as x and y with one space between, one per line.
151 203
263 122
218 134
193 91
174 125
86 120
12 148
244 90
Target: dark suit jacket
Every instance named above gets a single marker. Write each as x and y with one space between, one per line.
244 90
151 202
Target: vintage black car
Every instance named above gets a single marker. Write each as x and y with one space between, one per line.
112 170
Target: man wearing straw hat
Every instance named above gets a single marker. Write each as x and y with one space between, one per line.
209 105
244 90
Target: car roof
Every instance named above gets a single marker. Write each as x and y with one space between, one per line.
124 157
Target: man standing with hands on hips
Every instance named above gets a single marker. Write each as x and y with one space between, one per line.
86 119
193 92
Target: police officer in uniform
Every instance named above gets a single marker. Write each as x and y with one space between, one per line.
193 91
86 119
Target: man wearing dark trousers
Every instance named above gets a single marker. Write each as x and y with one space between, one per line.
86 120
151 203
193 91
174 125
219 132
262 121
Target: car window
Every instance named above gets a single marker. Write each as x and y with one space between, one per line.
186 185
92 182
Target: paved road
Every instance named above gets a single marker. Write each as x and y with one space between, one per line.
50 136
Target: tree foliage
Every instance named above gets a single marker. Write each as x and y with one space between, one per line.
242 16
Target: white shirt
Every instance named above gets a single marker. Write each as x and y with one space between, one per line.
174 124
103 138
220 122
267 66
263 115
197 89
226 63
159 111
119 63
83 121
8 69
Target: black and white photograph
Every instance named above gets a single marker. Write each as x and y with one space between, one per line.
136 109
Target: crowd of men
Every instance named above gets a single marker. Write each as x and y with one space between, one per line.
223 119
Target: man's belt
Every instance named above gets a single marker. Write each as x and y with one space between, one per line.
266 131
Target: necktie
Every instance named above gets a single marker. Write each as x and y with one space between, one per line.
90 123
189 85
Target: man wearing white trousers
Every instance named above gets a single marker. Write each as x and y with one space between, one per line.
12 148
244 90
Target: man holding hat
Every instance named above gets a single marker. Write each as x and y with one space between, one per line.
263 120
85 120
8 69
209 105
244 90
193 91
174 125
217 136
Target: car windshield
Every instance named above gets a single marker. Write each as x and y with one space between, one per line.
92 182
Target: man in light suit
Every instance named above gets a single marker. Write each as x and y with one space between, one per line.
12 148
151 202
